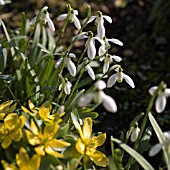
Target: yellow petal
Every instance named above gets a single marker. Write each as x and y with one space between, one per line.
35 162
27 111
17 135
11 121
98 140
8 166
99 159
32 139
2 115
22 158
87 128
6 142
80 146
50 151
31 106
51 128
58 143
40 150
45 110
6 107
34 127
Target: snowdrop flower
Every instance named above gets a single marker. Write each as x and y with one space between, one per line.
67 87
100 23
89 70
119 76
156 148
109 59
45 18
134 133
70 65
161 100
90 44
106 45
2 2
73 18
99 97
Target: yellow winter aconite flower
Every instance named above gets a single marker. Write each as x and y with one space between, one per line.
6 108
23 162
31 107
11 129
44 140
87 144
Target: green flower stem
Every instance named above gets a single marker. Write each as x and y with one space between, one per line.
144 122
81 57
64 28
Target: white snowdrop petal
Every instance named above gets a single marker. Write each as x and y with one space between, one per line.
155 149
160 103
116 58
72 55
71 67
67 88
75 121
100 28
50 22
105 66
60 87
128 80
91 19
32 22
76 12
100 84
85 100
60 110
152 90
135 134
58 62
90 72
112 80
167 135
115 41
102 50
107 18
76 22
91 51
167 92
109 104
2 2
61 17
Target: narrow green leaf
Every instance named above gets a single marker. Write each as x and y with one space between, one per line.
140 159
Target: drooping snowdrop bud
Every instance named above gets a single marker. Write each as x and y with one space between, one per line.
156 148
134 133
2 2
73 18
119 76
100 84
49 21
161 100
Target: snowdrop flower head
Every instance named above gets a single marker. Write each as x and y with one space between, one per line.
2 2
109 59
90 44
119 77
156 148
73 18
90 71
161 99
100 85
134 133
67 87
99 21
106 44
